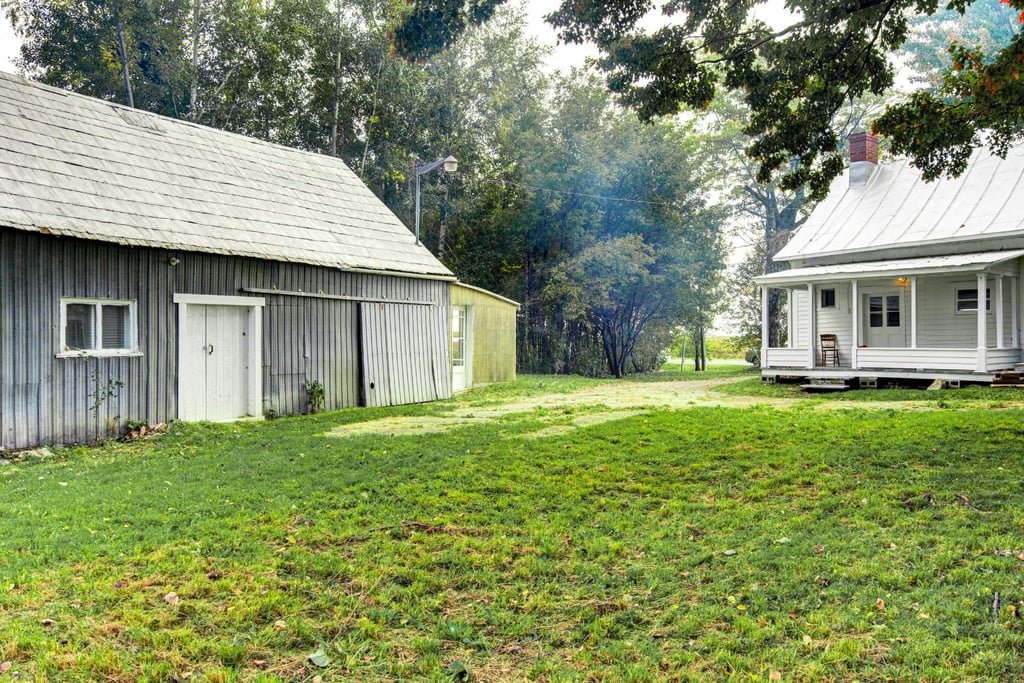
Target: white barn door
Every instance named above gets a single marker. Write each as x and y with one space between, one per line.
219 358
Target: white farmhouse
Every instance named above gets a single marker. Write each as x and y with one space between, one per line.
909 279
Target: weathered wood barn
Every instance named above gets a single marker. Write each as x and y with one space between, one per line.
896 278
153 269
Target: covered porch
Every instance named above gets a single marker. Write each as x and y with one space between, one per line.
944 317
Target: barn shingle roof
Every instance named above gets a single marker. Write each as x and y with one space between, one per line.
76 166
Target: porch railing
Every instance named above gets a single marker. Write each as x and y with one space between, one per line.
786 358
962 360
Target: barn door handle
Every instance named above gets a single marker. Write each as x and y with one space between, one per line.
210 350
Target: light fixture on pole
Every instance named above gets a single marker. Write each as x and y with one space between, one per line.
451 165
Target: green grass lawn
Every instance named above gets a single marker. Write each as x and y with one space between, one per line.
705 544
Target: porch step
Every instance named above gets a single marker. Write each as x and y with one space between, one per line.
824 386
1008 377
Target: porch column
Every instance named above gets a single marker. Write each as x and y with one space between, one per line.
982 327
855 309
790 326
812 326
913 312
764 326
999 312
1014 317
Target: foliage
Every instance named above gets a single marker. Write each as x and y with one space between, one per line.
102 392
314 395
549 168
612 286
988 24
703 544
794 78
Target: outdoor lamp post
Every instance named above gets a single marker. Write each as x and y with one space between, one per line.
450 163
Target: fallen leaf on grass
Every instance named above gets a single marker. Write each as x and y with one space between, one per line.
320 658
5 666
171 598
774 675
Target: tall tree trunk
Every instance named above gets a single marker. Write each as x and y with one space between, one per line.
700 358
442 229
193 112
337 84
122 54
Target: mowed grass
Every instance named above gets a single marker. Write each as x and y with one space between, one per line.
704 544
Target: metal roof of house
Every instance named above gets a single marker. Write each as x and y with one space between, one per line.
897 209
957 263
76 166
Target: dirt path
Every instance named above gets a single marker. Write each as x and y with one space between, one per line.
601 403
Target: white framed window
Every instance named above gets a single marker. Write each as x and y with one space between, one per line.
967 300
828 298
98 327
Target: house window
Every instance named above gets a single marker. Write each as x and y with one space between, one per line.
884 311
967 300
97 327
828 298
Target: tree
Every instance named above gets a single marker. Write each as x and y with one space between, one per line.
128 51
612 286
988 24
794 79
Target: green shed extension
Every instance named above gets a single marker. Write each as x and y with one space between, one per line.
483 337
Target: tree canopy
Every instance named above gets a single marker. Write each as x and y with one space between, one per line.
794 79
557 189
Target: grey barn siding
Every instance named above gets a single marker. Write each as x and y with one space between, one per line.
399 368
45 399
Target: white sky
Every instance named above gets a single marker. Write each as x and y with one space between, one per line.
8 45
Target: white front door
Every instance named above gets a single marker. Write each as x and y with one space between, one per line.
459 321
219 364
885 319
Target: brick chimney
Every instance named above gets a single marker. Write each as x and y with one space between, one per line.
863 158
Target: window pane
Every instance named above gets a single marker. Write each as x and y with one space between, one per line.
875 311
967 299
892 311
828 298
80 326
116 326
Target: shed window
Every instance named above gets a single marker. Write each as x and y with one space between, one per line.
98 326
967 300
828 298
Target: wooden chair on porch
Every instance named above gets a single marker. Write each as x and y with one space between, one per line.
829 350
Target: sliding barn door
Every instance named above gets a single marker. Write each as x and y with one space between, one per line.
404 354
